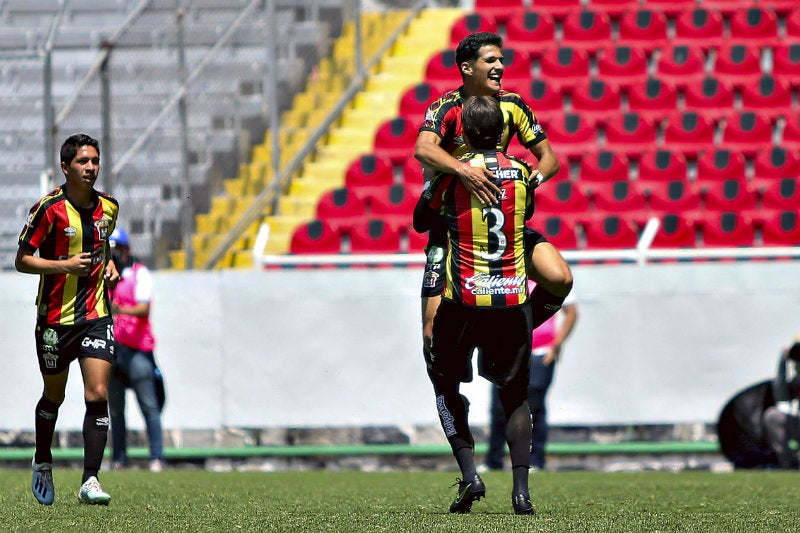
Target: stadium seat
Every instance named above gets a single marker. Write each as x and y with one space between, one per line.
779 193
411 172
610 232
780 7
571 136
672 196
315 237
716 165
670 8
500 10
630 134
596 100
586 30
517 69
675 231
737 64
532 32
369 171
770 96
341 208
374 236
711 97
393 204
545 100
558 231
416 241
442 72
624 66
654 99
776 162
395 139
662 165
790 137
558 9
645 29
754 25
415 101
618 197
471 23
747 132
614 9
792 26
562 198
565 67
699 27
786 63
681 65
726 8
603 166
727 229
689 133
728 195
780 228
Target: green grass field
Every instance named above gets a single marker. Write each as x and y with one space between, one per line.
353 502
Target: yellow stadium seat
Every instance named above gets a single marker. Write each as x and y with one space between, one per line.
296 204
243 259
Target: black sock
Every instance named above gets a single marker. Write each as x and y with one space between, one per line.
45 424
544 304
520 479
465 457
95 434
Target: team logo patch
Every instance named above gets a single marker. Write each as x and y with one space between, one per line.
102 226
429 281
70 231
435 254
50 337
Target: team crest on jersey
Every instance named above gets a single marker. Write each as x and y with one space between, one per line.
50 337
435 254
70 231
102 228
430 279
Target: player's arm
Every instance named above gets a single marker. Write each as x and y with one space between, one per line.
28 262
548 162
477 180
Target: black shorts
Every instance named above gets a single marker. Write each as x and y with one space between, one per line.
433 280
58 346
501 335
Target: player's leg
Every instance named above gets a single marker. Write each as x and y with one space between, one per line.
552 275
778 429
433 282
497 432
117 389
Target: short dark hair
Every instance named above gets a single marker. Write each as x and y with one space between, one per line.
469 46
482 121
70 147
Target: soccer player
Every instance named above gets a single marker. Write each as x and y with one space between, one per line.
440 144
485 299
69 228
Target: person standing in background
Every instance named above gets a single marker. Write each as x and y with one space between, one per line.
69 228
134 361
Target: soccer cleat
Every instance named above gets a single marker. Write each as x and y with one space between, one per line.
522 504
42 484
92 493
156 465
468 492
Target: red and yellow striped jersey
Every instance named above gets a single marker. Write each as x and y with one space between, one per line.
59 230
486 249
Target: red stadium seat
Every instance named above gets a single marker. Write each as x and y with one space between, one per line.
792 26
754 25
369 171
416 241
776 162
681 65
700 27
517 68
603 166
411 172
662 166
565 67
558 231
394 204
624 66
341 208
727 229
728 195
545 100
737 64
610 232
630 134
711 97
780 193
558 9
654 99
586 30
615 9
747 132
596 100
670 8
572 136
726 8
532 32
442 71
790 138
689 133
500 10
619 197
415 101
562 198
395 139
780 228
780 7
471 23
770 97
675 231
315 237
786 63
645 29
374 236
673 196
716 165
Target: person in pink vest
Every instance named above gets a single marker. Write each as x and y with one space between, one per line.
546 351
134 360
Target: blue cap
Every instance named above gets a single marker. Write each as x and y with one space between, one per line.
119 238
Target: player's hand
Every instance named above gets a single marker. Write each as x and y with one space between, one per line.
79 264
478 181
111 275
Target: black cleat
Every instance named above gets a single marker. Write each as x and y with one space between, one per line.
468 492
522 504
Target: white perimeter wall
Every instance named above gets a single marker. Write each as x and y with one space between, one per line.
339 347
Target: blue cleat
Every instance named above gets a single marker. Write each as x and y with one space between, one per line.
42 484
